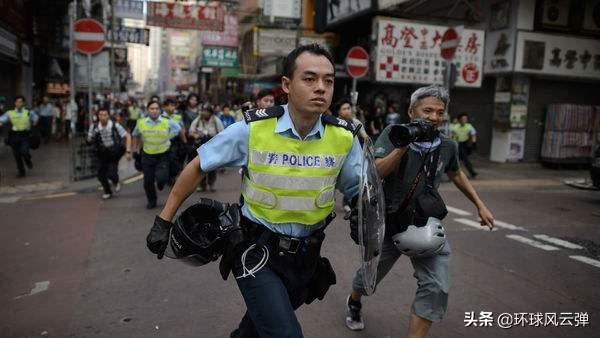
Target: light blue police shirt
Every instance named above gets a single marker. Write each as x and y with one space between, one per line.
33 117
229 148
173 127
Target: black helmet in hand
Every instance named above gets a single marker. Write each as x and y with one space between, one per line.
201 232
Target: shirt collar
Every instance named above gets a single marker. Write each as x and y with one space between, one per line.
108 125
285 124
149 120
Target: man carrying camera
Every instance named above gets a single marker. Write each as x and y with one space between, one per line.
411 159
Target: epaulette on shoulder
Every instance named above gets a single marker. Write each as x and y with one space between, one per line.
262 114
336 121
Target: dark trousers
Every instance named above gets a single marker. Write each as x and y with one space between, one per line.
464 150
19 142
108 169
270 306
176 158
45 127
155 169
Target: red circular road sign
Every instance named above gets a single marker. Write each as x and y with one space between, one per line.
357 62
88 35
470 73
450 41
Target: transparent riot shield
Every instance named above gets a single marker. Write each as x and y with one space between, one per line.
371 219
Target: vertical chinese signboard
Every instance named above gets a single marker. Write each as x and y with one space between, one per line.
409 52
178 15
182 57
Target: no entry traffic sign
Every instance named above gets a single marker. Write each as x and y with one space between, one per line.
357 62
450 41
88 35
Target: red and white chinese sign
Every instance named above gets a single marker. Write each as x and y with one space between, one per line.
409 52
178 15
227 37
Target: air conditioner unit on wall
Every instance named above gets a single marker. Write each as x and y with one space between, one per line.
555 13
591 16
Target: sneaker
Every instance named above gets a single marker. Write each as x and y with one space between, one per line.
354 319
118 187
106 196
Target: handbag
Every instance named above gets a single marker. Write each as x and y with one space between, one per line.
429 202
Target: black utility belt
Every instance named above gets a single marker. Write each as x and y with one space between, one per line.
281 244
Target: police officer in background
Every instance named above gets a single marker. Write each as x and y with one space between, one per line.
464 133
155 133
21 120
412 170
177 149
294 156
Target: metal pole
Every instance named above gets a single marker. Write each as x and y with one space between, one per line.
354 101
89 81
113 74
447 75
72 17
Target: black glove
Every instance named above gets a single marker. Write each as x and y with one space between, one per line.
158 238
352 216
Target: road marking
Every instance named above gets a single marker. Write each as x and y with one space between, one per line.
558 241
61 194
586 260
458 211
39 287
532 242
473 224
133 179
508 226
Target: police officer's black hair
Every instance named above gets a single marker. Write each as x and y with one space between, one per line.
459 116
152 102
19 97
169 101
289 63
264 92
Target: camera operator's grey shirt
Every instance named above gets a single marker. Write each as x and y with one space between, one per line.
448 161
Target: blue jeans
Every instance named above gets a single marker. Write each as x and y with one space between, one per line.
270 307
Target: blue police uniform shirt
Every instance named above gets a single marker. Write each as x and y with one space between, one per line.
33 117
173 127
229 148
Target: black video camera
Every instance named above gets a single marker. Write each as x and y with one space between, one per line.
417 131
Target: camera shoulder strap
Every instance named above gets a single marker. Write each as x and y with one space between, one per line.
415 182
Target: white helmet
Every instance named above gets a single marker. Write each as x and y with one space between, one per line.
423 241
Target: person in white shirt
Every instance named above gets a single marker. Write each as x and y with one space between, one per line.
202 129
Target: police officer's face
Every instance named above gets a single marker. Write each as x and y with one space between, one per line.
170 108
154 110
311 86
430 108
19 103
265 102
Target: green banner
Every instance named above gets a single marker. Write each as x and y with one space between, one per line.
220 57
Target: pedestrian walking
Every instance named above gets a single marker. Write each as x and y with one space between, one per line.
227 117
290 153
46 111
21 120
155 133
202 129
412 167
108 137
343 109
466 136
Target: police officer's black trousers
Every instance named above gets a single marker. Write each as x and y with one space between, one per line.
108 169
45 127
155 169
19 142
277 290
464 151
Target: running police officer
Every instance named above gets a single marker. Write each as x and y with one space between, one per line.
294 156
155 133
412 172
177 149
21 120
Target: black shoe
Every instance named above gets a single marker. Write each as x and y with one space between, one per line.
29 164
20 175
354 319
151 205
160 187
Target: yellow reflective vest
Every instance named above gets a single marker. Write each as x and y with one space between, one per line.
155 136
20 120
293 181
462 133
